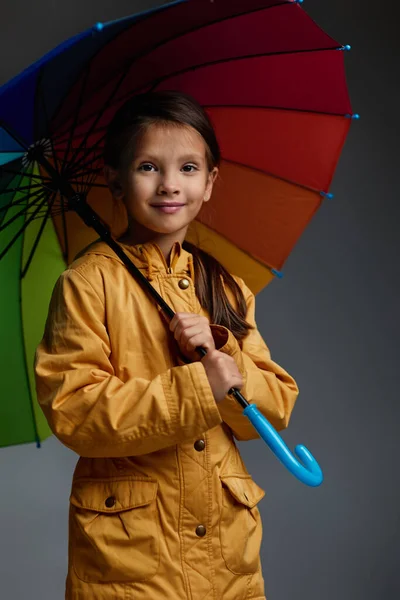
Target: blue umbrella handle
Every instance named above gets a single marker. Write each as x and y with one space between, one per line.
308 471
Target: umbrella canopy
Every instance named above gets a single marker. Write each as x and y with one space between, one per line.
273 84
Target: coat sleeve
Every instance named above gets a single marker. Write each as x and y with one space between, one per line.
266 384
91 410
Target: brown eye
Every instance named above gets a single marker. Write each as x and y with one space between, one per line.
189 168
147 167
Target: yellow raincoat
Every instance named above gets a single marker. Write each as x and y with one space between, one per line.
161 506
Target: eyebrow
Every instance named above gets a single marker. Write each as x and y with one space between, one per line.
184 158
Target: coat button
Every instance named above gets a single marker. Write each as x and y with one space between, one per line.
200 530
199 445
184 283
110 502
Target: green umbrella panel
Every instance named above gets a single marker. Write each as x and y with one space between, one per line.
24 301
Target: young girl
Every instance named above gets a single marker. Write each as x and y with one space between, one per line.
162 506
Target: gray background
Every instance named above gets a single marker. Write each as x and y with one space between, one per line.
332 322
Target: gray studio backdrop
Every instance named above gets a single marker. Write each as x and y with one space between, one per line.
332 322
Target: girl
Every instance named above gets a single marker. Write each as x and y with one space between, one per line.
161 506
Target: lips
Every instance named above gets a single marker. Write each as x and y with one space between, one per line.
168 207
168 204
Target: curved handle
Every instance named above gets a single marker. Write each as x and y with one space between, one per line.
309 472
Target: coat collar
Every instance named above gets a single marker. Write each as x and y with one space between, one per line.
148 256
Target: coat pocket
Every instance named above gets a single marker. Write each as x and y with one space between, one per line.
240 523
114 534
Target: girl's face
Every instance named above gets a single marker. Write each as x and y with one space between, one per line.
169 167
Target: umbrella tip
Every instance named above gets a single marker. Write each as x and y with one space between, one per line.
355 116
327 195
278 274
347 47
98 27
298 1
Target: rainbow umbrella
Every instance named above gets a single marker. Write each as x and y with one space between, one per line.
274 86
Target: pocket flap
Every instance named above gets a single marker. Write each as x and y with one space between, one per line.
113 495
243 488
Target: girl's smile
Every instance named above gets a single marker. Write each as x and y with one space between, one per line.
168 208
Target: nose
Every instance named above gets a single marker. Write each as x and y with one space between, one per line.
169 185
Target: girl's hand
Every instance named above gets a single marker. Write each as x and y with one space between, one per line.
192 330
222 372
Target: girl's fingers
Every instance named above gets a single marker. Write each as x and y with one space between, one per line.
179 318
198 340
190 325
192 330
194 336
183 333
185 319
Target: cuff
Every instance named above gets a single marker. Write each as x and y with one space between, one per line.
209 407
224 340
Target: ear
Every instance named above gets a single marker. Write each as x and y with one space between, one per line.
113 181
212 176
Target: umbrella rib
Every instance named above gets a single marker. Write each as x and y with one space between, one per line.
60 137
64 228
39 235
80 102
78 166
273 175
90 182
39 196
283 108
14 135
84 178
20 232
87 167
98 117
86 185
23 174
80 175
20 201
7 190
99 185
87 171
242 57
39 96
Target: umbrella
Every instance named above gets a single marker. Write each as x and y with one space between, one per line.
274 86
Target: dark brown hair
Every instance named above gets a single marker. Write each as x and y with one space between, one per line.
124 131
